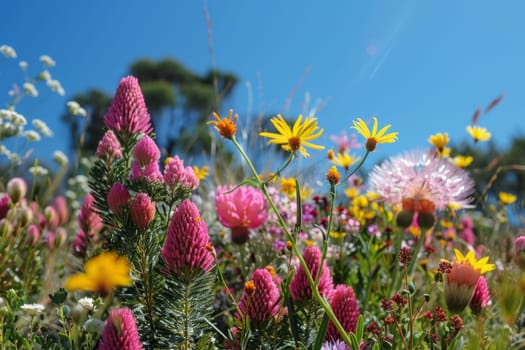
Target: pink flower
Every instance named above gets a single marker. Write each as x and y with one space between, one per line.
60 206
344 305
240 210
263 303
189 179
146 151
481 297
345 143
109 146
88 218
33 234
175 173
4 206
51 216
118 198
80 244
300 288
142 211
127 113
150 172
421 177
335 345
184 250
120 332
519 245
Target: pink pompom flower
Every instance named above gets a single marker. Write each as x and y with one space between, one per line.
481 298
142 211
120 332
118 198
109 146
344 305
300 288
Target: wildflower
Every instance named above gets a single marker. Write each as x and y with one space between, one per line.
184 249
38 170
463 161
55 86
32 309
103 273
519 257
120 331
30 90
300 288
227 126
127 114
80 244
296 138
47 61
421 180
439 141
335 345
60 206
44 75
240 209
60 157
344 305
118 198
288 186
263 303
142 211
32 136
16 189
175 173
150 172
109 146
88 219
374 137
201 173
87 303
481 297
462 279
344 160
478 133
506 198
345 142
146 151
75 109
8 51
333 176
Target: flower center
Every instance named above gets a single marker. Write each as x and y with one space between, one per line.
371 144
294 142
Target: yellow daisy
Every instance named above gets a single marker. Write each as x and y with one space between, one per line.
506 198
201 173
463 161
481 265
374 137
344 160
478 133
295 138
439 141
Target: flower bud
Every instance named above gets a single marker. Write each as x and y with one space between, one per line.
17 189
404 218
142 211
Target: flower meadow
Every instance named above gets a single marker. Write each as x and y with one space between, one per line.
138 250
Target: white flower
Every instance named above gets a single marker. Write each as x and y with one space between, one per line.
47 61
38 170
44 75
75 109
87 303
30 89
71 195
32 309
22 65
18 119
60 158
8 51
32 136
42 127
55 86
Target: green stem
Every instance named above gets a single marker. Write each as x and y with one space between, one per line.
315 292
64 325
415 253
186 317
357 167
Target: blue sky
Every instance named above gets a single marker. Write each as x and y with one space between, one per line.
422 66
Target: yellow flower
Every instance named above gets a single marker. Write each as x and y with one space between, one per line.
344 160
227 127
478 133
506 198
288 186
374 137
201 173
446 152
463 161
103 273
351 192
295 138
333 176
439 141
337 235
481 265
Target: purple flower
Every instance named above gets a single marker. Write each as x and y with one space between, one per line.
120 332
421 177
344 305
300 288
4 206
127 114
109 146
335 345
260 298
185 248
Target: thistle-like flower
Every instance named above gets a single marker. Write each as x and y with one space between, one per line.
109 146
184 249
300 288
344 305
260 299
120 332
240 209
127 114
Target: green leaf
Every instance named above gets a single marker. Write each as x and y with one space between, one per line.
353 340
360 328
321 333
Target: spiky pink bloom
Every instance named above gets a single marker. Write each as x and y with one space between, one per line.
120 332
240 210
481 298
421 176
184 249
109 146
60 205
175 173
142 211
88 218
150 172
262 304
118 198
344 305
300 288
128 113
146 151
